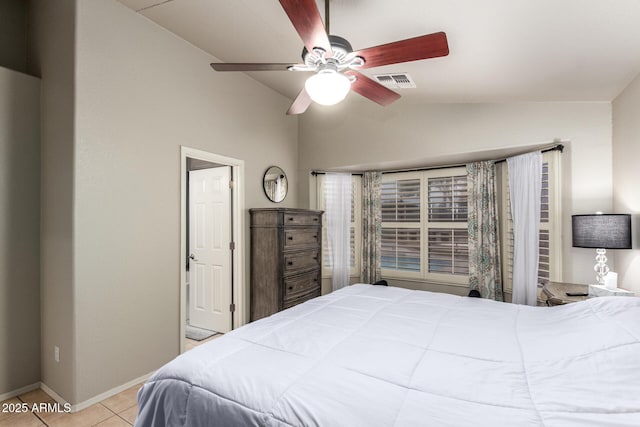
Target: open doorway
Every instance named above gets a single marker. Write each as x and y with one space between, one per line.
211 291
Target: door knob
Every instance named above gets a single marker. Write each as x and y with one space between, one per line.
192 257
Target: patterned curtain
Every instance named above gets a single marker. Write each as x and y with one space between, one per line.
371 226
484 248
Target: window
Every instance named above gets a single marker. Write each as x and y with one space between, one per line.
448 247
549 262
424 225
400 201
355 230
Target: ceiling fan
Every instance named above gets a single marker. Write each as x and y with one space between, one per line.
334 62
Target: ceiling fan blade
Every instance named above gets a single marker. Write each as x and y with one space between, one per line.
300 104
371 89
305 17
422 47
248 66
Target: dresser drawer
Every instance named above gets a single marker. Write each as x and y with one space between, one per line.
301 284
301 218
303 260
301 237
299 299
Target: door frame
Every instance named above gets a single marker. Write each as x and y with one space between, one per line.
237 218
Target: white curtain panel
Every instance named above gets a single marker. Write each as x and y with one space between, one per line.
525 187
338 216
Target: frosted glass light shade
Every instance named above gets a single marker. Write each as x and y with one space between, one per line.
327 87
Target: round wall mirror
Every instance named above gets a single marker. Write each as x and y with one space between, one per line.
275 184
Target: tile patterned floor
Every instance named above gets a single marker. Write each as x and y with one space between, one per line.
117 411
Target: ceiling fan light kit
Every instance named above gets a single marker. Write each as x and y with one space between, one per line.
327 87
335 64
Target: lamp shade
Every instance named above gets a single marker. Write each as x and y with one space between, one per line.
601 231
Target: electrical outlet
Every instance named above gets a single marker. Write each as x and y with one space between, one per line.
56 353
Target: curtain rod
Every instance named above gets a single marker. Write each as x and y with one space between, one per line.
314 173
558 147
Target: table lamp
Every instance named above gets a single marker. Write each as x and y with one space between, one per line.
602 232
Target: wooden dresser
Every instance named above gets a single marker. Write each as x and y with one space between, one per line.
285 258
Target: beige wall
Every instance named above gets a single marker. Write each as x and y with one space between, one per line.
19 230
116 107
51 56
359 134
13 34
626 177
141 93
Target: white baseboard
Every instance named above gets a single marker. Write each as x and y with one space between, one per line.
107 394
52 393
96 399
17 392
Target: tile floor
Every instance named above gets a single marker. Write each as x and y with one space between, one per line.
117 411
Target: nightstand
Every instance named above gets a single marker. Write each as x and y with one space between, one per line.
556 293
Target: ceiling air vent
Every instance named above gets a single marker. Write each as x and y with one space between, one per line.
395 81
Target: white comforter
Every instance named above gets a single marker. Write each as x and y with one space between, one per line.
377 356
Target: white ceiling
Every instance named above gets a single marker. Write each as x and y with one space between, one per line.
500 50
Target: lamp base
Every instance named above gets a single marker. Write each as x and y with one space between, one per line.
601 266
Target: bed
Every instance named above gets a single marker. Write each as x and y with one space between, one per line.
383 356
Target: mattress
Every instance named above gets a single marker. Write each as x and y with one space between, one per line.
382 356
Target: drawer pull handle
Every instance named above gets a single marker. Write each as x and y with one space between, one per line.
315 236
290 263
315 257
315 279
290 218
290 287
315 219
290 237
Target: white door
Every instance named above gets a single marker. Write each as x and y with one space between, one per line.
209 247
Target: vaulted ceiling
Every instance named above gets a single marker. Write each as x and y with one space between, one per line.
500 50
